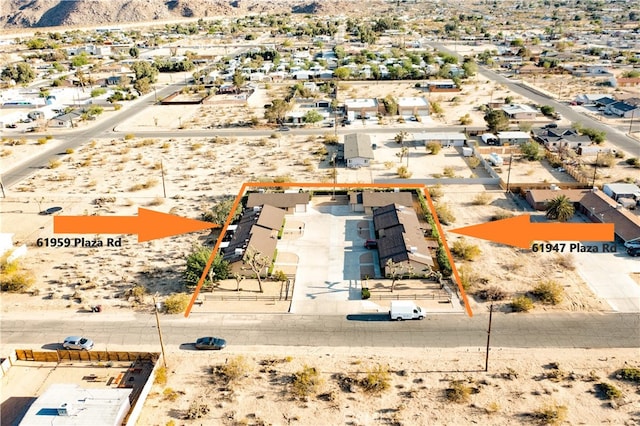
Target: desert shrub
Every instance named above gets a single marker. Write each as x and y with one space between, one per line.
434 148
457 391
436 191
631 374
492 294
443 262
521 304
548 292
465 250
376 380
170 395
12 278
551 414
482 199
468 277
473 162
633 161
565 261
445 215
158 201
69 151
492 407
161 376
330 139
608 391
42 141
129 136
449 172
138 292
606 160
305 381
235 368
465 120
54 163
502 214
176 303
365 293
403 172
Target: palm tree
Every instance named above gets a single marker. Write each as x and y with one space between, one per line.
560 208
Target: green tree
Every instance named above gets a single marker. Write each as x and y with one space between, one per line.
560 208
470 68
143 69
312 116
79 60
342 73
220 212
21 73
142 85
547 110
134 52
196 263
277 111
497 120
531 151
238 79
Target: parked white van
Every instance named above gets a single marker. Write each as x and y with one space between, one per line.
405 309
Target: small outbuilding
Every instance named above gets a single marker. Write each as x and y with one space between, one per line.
357 150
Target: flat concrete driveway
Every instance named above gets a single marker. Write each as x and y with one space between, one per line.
330 250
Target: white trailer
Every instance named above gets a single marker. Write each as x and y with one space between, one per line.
405 309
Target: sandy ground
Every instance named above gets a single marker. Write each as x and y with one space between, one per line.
115 177
519 383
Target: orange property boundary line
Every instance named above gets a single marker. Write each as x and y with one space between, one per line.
327 186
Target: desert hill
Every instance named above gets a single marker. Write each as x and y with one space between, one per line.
56 13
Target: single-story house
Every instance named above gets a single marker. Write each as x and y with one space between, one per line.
520 112
513 138
360 106
539 198
623 109
600 208
416 105
357 150
65 120
290 202
621 190
369 201
257 229
401 240
443 138
589 98
559 138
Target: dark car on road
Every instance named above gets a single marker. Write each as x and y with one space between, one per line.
633 251
78 343
211 343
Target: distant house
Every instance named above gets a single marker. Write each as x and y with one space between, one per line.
257 228
359 106
401 240
416 105
290 202
621 190
443 138
357 150
445 85
65 120
513 138
599 208
556 139
520 112
539 198
589 99
369 201
628 81
623 109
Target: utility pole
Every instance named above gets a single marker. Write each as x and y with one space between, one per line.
486 360
595 169
155 309
509 172
164 189
633 113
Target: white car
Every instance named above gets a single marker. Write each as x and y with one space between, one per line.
77 343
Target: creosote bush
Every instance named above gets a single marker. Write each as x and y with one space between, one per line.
521 304
631 374
445 215
608 391
305 381
436 191
377 380
548 292
176 303
13 278
482 199
551 414
492 294
457 391
465 250
434 148
161 376
235 368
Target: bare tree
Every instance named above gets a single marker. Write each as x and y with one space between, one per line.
392 270
256 261
238 277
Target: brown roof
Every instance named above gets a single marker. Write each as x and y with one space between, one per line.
271 217
283 200
542 195
379 199
605 209
258 228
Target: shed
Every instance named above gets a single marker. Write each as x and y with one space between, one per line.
357 150
620 190
443 138
513 138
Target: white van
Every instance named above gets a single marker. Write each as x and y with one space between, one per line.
405 309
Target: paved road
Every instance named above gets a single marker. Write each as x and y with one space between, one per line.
614 136
561 330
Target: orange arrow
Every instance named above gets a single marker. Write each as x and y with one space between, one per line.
149 225
520 232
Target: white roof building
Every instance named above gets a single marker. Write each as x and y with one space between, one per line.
69 404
